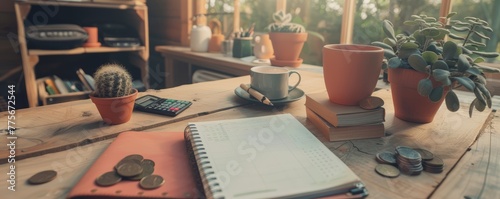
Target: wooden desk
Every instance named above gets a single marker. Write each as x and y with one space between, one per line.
68 137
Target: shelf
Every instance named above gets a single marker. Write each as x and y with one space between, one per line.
82 50
85 4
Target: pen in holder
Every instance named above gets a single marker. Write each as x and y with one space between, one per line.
242 47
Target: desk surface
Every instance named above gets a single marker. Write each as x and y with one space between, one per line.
68 137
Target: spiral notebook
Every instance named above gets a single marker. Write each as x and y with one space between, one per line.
266 157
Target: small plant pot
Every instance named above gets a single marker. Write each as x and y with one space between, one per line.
287 47
116 110
409 105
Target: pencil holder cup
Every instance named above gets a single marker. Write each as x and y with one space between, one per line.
242 47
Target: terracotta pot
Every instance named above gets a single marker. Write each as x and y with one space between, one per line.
263 48
215 44
408 104
351 71
116 110
287 46
92 40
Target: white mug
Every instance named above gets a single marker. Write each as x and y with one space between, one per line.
272 81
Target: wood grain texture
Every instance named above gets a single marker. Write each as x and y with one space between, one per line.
477 175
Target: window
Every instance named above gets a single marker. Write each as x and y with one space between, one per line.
324 18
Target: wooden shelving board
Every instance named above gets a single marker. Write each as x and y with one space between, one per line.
82 50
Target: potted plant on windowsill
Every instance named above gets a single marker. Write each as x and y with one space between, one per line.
287 39
114 95
424 68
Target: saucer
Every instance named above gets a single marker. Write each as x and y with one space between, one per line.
293 95
296 63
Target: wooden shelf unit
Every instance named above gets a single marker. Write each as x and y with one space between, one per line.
134 15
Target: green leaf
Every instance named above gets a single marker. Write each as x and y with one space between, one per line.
488 69
424 87
479 60
430 19
440 75
420 21
486 93
486 54
462 63
483 22
417 62
436 94
480 79
394 62
388 29
388 54
479 95
382 45
410 23
409 46
466 82
480 106
405 53
440 64
390 42
452 102
459 23
454 36
451 14
415 17
471 107
474 71
460 29
430 57
450 49
465 50
430 32
487 28
477 43
481 35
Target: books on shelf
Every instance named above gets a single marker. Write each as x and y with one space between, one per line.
333 133
266 157
341 115
87 80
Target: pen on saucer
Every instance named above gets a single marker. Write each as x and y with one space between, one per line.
256 94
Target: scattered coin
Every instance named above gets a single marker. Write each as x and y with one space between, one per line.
148 161
426 155
436 165
134 157
151 182
147 169
387 170
43 177
108 179
436 161
129 169
386 157
371 103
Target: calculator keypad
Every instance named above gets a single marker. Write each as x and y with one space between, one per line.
170 107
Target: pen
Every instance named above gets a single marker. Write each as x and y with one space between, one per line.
256 94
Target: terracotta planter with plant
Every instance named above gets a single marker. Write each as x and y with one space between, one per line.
114 96
441 66
287 39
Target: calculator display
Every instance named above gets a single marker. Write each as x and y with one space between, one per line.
145 101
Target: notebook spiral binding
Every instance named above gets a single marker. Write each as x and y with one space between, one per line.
207 175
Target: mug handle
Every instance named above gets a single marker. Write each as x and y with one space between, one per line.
298 82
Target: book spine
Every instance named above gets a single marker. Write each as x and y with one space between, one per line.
199 159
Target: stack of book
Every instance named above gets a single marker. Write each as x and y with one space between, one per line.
339 122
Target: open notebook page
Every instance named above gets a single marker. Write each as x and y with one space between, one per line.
270 156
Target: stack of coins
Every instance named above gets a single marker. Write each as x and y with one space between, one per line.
409 161
435 165
133 168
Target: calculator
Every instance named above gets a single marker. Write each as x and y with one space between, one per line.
163 106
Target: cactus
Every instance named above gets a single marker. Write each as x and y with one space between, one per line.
112 80
282 23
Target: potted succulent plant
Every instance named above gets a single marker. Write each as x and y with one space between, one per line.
424 68
287 39
114 95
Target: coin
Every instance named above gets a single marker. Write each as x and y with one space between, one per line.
426 155
134 157
151 182
408 153
148 161
436 162
371 103
386 157
108 179
129 169
147 169
43 177
387 170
